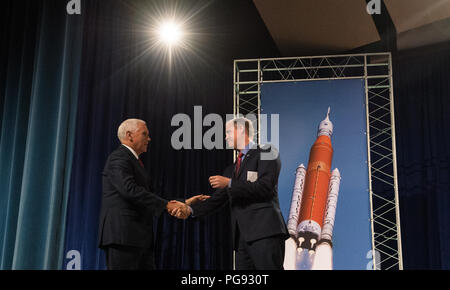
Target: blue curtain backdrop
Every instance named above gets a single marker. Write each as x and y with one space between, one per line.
38 93
122 77
423 153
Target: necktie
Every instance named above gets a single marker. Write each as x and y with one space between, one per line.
140 162
238 164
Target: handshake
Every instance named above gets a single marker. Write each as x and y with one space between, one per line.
182 210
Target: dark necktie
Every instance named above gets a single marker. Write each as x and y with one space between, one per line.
238 164
140 162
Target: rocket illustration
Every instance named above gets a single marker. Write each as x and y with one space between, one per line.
313 206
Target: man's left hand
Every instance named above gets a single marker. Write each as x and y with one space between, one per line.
219 181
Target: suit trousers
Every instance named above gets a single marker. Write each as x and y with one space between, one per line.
263 254
119 257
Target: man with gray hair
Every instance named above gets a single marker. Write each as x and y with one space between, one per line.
128 205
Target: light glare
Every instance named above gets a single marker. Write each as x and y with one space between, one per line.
170 33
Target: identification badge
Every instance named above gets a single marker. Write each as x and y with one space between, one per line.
252 176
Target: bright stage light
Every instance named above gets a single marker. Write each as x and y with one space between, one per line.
170 33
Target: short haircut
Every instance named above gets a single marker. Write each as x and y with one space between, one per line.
247 123
128 125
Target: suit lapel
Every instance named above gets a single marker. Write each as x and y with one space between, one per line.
242 168
248 156
141 168
136 163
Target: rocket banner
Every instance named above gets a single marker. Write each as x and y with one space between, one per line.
324 183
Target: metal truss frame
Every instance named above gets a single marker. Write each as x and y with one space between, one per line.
376 70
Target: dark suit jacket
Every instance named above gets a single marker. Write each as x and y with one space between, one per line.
254 205
128 205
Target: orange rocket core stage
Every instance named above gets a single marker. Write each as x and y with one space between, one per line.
317 181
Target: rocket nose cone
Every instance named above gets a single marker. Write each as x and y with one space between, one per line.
326 126
336 172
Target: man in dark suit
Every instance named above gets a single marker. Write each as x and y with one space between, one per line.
128 205
250 185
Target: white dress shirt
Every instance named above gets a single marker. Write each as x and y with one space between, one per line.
132 151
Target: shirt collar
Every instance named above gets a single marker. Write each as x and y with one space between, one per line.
247 147
132 151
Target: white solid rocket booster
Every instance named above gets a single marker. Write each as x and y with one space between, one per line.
323 259
330 213
297 195
291 244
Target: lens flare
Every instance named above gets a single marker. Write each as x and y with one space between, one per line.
170 33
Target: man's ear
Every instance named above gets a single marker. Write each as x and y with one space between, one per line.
129 137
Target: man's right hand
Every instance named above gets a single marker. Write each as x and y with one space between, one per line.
178 209
197 198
